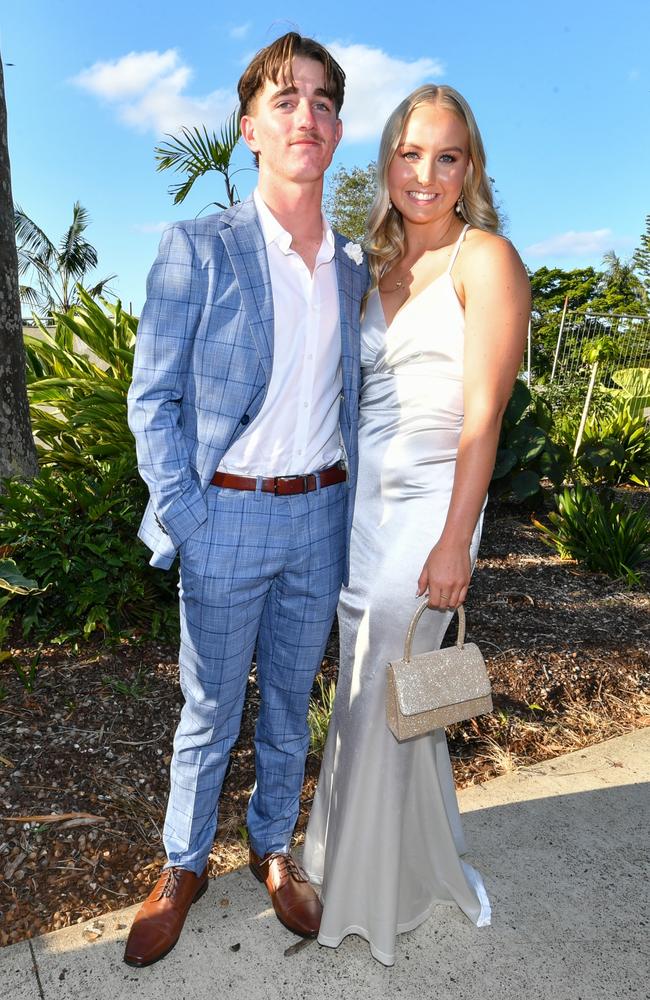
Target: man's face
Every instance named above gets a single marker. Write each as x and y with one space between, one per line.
293 127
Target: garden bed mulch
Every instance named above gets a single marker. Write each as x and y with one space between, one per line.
84 757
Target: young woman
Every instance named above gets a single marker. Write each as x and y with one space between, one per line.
442 340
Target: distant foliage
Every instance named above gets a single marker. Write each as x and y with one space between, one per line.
348 200
620 287
56 271
549 288
642 258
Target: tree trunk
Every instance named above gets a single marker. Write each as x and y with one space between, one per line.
17 450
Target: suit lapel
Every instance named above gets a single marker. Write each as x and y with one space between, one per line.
245 247
348 272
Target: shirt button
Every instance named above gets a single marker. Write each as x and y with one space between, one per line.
244 420
305 405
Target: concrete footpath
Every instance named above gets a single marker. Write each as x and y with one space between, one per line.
563 850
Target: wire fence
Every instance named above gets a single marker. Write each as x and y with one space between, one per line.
630 334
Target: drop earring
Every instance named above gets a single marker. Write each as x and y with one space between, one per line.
460 206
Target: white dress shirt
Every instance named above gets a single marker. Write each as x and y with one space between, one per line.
297 429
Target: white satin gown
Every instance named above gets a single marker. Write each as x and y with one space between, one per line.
384 834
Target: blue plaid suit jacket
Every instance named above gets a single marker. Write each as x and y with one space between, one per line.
203 361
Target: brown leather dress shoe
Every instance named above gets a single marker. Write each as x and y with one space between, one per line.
159 921
295 903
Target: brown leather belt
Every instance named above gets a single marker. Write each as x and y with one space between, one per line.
282 486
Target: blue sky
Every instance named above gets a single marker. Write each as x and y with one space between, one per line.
561 92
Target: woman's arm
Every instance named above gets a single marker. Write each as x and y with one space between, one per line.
497 309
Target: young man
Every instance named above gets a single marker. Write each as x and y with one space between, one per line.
244 411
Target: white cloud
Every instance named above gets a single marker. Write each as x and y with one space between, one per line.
240 30
573 244
375 83
149 227
147 89
128 76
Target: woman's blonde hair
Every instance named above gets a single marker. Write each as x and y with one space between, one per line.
385 239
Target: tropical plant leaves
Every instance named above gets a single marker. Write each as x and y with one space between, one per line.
78 377
526 451
12 579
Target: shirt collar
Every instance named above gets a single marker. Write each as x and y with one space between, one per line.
273 232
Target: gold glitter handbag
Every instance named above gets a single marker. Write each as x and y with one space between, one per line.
433 690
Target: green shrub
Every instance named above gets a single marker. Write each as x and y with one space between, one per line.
566 402
77 380
605 535
74 528
75 532
615 447
526 451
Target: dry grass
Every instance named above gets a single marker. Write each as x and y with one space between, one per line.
501 743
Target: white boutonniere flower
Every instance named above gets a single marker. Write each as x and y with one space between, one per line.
354 252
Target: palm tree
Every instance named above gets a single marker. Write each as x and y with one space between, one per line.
195 152
57 270
621 288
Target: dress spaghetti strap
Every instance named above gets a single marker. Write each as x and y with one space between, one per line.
454 254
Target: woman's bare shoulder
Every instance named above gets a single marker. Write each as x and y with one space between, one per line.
480 243
490 255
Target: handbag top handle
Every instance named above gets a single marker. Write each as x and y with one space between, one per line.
460 611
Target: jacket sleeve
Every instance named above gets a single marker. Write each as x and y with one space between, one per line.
174 305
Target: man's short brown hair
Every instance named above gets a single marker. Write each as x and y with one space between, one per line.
274 63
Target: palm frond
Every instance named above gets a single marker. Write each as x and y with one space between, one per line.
29 297
76 254
31 241
195 151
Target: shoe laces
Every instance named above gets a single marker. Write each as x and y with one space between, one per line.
171 884
288 866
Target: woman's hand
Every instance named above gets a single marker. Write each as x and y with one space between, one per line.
445 575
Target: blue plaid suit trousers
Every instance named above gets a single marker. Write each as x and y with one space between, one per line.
267 569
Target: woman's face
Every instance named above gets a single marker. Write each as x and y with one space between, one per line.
426 174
